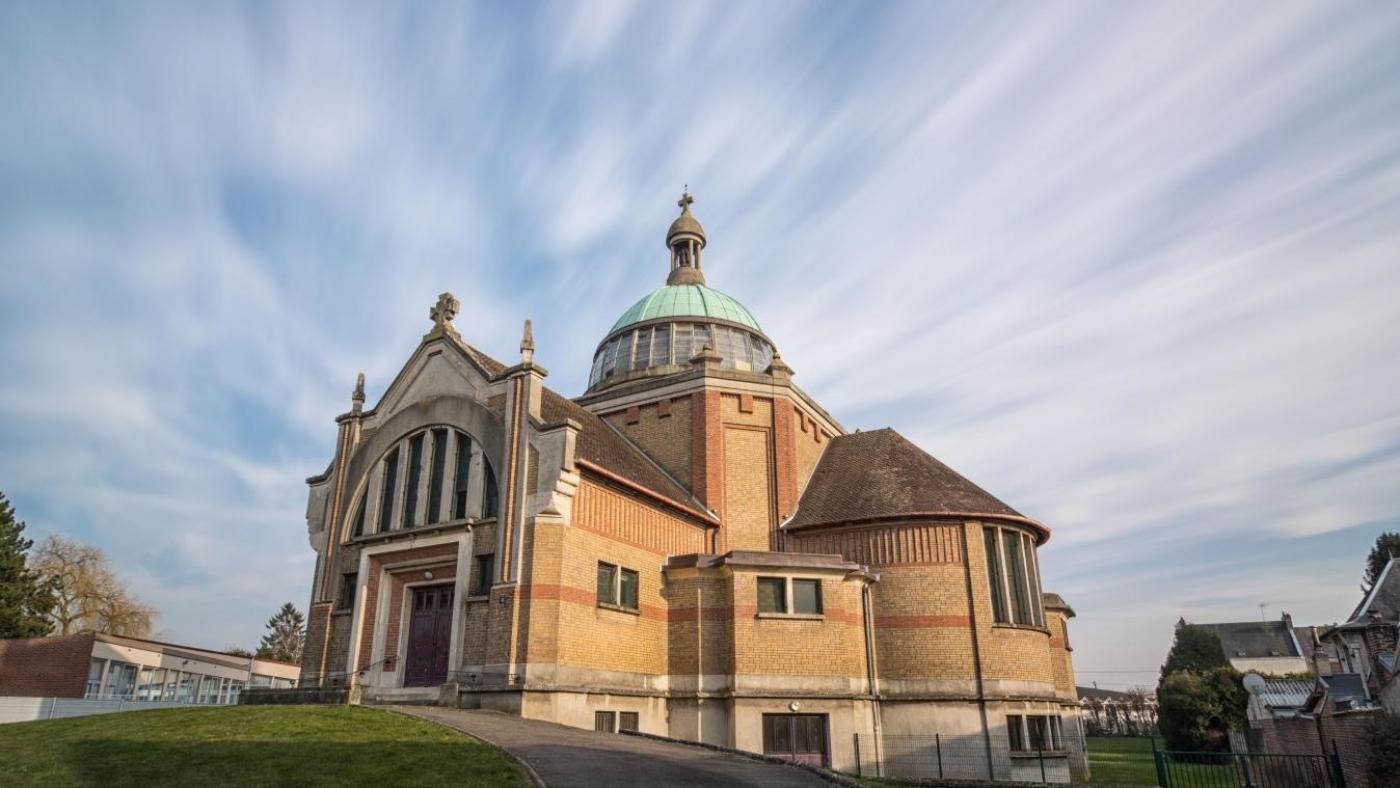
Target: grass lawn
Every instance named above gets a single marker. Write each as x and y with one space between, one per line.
248 746
1121 760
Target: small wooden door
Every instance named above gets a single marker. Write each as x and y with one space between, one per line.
429 636
797 737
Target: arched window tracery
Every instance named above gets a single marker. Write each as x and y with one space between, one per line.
425 478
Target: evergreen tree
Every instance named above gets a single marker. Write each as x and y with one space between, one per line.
1386 546
26 597
1195 648
286 634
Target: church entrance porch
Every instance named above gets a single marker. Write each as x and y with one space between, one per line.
429 636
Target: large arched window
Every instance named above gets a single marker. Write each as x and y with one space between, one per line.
427 478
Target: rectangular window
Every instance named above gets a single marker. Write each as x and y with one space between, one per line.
348 582
604 721
627 596
661 346
461 476
807 597
209 690
485 567
627 721
772 595
641 353
1015 732
610 357
148 688
1016 577
415 477
121 680
1040 732
607 584
387 490
94 682
439 466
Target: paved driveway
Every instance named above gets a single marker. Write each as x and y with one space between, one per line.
568 757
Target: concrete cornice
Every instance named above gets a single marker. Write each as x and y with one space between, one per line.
726 381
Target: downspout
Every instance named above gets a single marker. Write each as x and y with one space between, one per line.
976 650
870 675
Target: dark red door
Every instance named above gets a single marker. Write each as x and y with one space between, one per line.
797 737
429 636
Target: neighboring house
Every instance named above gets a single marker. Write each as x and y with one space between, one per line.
1268 647
693 547
1367 643
1113 713
105 666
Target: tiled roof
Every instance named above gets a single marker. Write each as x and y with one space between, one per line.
1383 599
1254 639
881 473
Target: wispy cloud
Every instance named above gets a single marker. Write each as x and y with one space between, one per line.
1131 268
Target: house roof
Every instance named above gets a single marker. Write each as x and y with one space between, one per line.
1344 687
880 474
1286 693
1255 639
1382 600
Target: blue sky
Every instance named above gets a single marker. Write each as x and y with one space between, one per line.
1134 268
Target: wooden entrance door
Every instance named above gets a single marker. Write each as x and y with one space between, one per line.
797 737
429 636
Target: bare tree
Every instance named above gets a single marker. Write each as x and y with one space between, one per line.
90 597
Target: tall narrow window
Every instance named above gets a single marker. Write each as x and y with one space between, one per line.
357 527
1016 576
485 569
995 576
1015 733
661 346
387 491
1033 579
492 502
415 477
439 466
641 352
460 478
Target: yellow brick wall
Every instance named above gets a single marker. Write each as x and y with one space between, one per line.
700 624
811 442
748 489
666 439
921 623
1014 653
612 527
831 646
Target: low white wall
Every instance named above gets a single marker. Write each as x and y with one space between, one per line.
29 709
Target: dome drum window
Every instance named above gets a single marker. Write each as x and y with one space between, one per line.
433 476
665 348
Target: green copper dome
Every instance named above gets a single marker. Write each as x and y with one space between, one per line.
686 301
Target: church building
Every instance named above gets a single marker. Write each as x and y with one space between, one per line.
693 547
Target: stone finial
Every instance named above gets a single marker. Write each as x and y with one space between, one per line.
707 357
442 313
357 397
779 368
527 345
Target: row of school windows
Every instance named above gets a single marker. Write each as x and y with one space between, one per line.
1032 732
618 587
116 679
401 479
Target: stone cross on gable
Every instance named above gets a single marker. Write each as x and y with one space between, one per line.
443 312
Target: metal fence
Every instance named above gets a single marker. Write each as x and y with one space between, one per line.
30 709
955 757
1247 770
